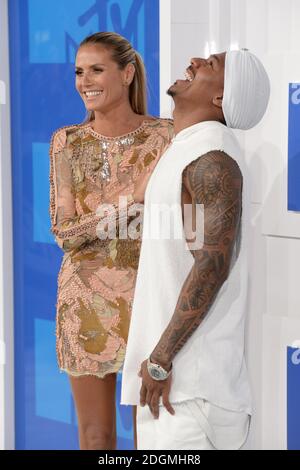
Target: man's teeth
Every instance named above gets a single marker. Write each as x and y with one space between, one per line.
92 93
188 76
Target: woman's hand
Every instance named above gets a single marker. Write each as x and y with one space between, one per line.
141 185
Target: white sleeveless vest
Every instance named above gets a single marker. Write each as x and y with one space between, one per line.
211 364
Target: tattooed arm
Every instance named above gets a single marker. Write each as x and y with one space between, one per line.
215 181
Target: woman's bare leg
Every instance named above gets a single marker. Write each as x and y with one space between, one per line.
96 411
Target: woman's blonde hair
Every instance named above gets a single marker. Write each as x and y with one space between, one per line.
123 54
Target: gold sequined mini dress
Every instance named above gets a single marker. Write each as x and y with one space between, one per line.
97 276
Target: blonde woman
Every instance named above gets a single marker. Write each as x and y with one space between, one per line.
93 163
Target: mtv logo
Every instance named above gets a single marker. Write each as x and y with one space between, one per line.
57 28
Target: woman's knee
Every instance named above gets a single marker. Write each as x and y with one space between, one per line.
98 437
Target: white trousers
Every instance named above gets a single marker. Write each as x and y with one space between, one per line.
196 425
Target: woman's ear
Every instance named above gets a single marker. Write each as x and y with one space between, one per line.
129 72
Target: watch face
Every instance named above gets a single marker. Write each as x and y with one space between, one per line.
155 373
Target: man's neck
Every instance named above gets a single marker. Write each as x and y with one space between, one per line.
184 119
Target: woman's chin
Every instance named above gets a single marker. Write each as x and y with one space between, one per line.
90 107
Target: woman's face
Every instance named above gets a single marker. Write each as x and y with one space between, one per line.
99 81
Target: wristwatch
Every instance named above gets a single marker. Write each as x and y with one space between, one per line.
156 371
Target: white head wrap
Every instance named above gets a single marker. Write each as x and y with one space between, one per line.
246 89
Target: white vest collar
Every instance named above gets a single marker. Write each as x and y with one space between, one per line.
204 125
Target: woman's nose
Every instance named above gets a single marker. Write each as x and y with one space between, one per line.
86 79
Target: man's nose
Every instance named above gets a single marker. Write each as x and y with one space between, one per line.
197 62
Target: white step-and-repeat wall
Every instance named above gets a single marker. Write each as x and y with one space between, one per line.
168 33
270 29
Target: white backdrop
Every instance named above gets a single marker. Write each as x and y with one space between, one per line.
270 29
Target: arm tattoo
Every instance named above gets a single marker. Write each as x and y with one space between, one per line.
215 181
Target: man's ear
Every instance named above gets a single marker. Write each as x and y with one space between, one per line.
218 100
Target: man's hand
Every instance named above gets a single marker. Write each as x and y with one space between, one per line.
152 390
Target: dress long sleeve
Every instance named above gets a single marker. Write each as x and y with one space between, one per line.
70 229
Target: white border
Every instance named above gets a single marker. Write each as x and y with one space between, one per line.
165 57
7 430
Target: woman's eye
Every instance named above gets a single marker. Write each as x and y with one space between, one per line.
79 72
